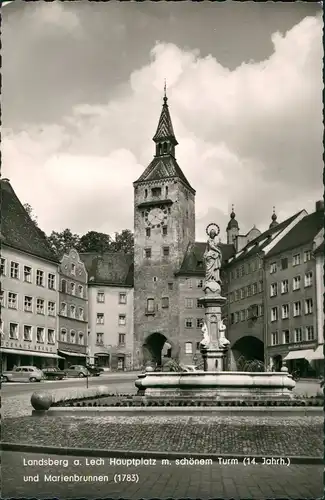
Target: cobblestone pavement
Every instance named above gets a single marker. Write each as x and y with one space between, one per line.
292 436
19 405
158 480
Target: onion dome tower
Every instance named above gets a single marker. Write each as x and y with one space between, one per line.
232 228
274 219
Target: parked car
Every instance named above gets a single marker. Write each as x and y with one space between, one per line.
77 371
53 373
94 370
23 374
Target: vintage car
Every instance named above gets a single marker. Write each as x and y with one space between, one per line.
77 371
23 374
94 370
53 373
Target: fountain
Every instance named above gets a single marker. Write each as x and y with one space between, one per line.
214 382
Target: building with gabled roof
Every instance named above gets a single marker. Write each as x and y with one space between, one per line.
29 288
245 283
73 310
110 309
293 295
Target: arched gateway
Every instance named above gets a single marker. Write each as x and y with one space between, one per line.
155 348
248 348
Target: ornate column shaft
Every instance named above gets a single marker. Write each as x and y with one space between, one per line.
214 343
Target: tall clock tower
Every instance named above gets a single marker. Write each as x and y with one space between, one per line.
164 226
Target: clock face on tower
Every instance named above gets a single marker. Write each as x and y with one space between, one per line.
156 217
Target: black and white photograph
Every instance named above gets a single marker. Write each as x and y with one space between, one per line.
162 250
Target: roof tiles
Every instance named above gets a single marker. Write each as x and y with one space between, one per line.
304 232
17 228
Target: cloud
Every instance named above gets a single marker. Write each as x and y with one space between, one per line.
251 136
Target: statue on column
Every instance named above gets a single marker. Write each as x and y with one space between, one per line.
213 258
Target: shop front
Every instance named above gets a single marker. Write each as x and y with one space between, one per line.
72 355
300 360
296 357
102 360
41 358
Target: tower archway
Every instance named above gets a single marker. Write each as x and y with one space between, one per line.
155 347
247 348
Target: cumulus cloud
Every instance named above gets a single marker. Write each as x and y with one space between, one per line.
251 136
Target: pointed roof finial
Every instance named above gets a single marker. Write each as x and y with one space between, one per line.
165 92
274 219
232 223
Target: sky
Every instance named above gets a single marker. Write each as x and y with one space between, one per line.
82 94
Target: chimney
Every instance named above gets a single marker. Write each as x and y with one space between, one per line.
319 206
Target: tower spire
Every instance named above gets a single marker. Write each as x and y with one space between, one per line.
165 137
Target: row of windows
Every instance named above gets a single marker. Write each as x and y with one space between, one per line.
156 191
296 309
151 307
100 339
190 322
287 337
189 303
246 291
72 311
198 283
296 261
72 289
164 231
296 284
245 269
30 304
100 319
15 271
101 297
28 333
246 314
148 253
73 338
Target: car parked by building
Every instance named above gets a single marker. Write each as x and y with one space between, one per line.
77 371
53 373
94 370
23 374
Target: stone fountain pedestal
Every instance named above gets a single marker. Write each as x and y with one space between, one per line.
213 352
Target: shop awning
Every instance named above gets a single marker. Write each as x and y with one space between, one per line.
317 354
299 354
75 354
22 352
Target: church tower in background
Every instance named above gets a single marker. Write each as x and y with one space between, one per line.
164 226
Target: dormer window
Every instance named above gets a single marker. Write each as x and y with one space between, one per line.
165 147
156 191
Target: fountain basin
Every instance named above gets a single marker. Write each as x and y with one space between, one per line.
217 385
